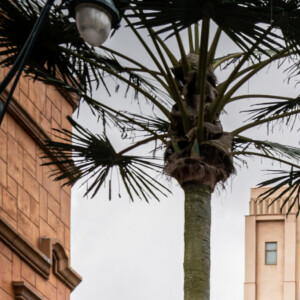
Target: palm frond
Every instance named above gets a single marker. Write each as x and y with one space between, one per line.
241 20
92 158
60 51
288 20
242 145
47 54
272 109
127 122
109 117
158 125
225 61
285 186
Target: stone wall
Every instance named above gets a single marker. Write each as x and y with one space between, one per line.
32 205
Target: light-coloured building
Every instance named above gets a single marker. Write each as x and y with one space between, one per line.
272 251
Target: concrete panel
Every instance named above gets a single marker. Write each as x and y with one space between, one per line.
289 290
250 248
249 291
270 277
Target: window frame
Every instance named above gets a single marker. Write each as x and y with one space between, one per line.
271 251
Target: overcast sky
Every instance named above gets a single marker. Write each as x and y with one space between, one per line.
126 250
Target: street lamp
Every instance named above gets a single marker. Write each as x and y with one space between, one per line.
94 20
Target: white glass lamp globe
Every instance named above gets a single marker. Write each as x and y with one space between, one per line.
93 23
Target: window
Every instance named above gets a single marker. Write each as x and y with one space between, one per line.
271 253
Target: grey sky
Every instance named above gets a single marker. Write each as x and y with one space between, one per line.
134 251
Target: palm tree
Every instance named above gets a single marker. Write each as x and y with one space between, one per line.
185 96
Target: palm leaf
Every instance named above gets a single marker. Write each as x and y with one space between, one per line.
92 158
273 109
239 19
60 51
289 22
286 185
123 120
285 154
156 124
47 55
225 61
242 144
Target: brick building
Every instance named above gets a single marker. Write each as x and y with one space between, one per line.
34 209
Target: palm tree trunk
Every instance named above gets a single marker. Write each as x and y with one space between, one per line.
197 241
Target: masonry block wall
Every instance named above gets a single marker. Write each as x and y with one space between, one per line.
34 209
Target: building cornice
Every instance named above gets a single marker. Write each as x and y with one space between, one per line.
61 264
30 254
51 252
23 291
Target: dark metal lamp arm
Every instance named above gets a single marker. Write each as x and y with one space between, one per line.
22 58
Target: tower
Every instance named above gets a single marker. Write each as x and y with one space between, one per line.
34 210
271 251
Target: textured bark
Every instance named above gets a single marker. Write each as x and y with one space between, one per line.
197 241
198 156
202 152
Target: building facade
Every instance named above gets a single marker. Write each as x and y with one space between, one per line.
272 251
34 209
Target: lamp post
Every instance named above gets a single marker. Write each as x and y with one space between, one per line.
94 20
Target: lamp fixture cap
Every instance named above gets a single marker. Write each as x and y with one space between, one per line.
106 4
